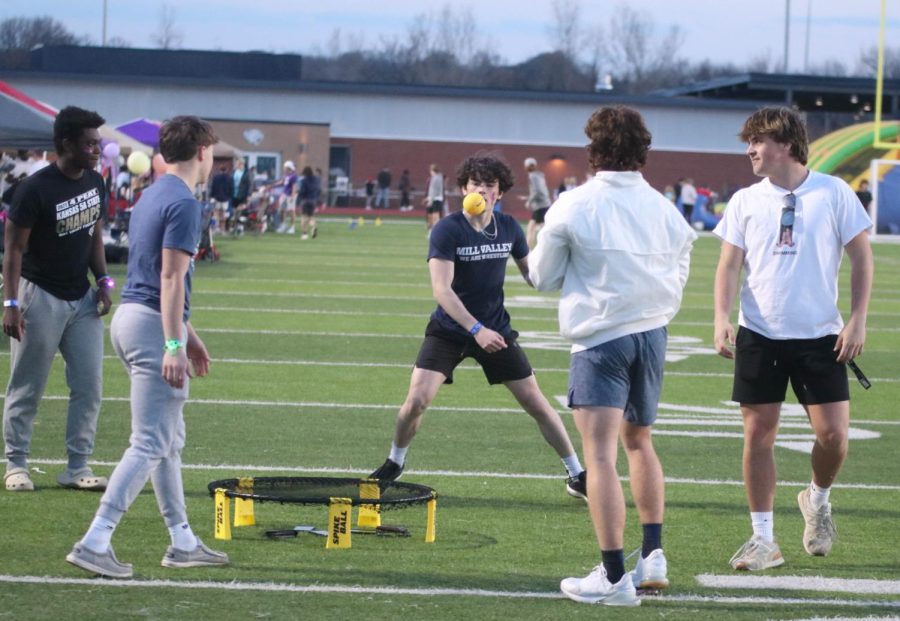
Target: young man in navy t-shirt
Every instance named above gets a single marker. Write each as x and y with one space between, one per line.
467 258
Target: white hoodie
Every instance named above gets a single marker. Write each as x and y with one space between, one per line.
620 252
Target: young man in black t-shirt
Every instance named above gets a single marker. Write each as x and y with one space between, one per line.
467 258
53 235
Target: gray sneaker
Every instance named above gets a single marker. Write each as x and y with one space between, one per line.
201 556
105 564
820 532
757 554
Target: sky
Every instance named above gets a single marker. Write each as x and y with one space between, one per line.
735 31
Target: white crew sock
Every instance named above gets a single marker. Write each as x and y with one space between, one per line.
99 535
763 525
183 537
398 455
818 496
573 466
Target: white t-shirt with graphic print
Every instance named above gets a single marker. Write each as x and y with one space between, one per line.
791 272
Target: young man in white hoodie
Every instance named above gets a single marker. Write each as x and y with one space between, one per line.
620 252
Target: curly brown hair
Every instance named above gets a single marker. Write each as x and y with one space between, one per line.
619 139
485 167
781 124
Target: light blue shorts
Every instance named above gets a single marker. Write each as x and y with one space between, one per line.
625 373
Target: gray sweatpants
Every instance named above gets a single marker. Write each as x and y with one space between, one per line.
157 420
75 329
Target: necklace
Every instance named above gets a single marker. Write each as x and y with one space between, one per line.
491 236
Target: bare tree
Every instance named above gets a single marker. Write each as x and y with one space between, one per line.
24 33
761 63
565 31
867 64
118 42
632 52
831 67
167 35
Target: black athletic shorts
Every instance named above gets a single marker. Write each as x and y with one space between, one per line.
764 366
435 207
307 208
538 214
442 352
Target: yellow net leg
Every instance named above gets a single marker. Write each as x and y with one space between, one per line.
369 516
243 512
223 523
340 519
429 525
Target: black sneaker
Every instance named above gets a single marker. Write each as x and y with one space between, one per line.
389 472
577 486
315 232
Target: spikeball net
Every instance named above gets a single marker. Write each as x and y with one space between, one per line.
340 495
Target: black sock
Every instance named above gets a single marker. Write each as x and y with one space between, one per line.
652 539
614 562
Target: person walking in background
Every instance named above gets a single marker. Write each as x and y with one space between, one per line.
287 202
242 182
405 186
864 195
434 199
221 191
620 252
688 198
383 190
309 194
467 257
538 200
153 337
370 192
789 232
53 237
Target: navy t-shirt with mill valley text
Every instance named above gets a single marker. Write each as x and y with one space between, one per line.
479 267
61 213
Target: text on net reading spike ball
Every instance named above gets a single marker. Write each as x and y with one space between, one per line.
474 204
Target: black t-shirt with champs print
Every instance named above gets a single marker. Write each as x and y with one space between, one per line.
61 213
479 267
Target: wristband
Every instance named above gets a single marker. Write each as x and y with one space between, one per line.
12 303
106 282
172 346
476 328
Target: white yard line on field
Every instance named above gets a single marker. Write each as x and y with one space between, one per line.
801 583
274 587
240 469
437 408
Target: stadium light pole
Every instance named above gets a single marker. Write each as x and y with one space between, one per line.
808 24
787 33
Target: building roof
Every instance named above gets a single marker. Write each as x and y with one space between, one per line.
807 92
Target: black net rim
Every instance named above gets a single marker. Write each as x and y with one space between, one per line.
410 493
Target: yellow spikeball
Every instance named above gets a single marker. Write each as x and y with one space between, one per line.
474 204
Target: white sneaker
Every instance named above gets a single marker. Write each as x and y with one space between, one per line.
281 228
304 236
291 231
595 588
819 533
650 572
757 554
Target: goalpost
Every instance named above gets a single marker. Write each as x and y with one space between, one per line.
885 183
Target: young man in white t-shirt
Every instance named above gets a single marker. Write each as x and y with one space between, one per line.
788 232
